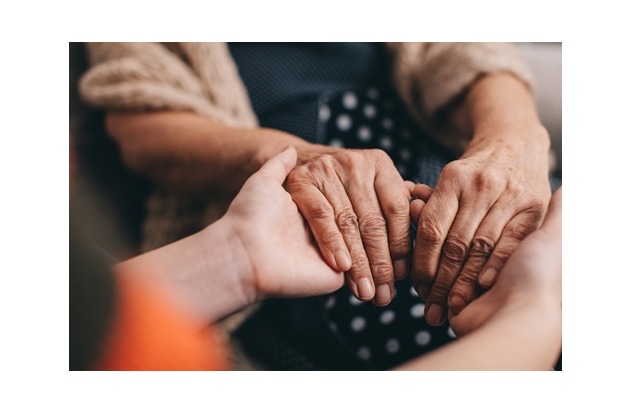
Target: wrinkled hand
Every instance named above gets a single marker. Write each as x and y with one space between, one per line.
283 257
482 207
357 207
532 274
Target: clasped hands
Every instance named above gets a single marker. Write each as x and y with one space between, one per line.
357 210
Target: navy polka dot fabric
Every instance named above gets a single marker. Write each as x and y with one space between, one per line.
339 95
382 337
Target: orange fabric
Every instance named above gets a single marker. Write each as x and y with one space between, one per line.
147 333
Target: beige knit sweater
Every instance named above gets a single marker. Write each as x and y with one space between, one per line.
203 78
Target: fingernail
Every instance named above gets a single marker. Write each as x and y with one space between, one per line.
365 289
400 268
343 261
383 295
434 315
457 303
487 278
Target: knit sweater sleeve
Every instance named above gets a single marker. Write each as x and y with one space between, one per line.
429 76
152 76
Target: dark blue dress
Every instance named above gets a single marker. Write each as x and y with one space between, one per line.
338 94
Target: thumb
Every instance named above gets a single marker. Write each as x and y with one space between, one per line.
279 166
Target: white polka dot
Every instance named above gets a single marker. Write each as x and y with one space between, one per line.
364 133
344 122
354 301
364 353
330 303
401 169
392 345
336 143
413 292
324 113
333 326
350 100
387 123
387 317
386 142
450 333
358 324
369 111
372 93
417 310
423 338
405 154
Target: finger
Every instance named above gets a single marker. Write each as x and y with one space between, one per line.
434 223
373 229
279 166
422 191
453 256
409 185
515 231
466 287
415 208
393 198
321 219
359 276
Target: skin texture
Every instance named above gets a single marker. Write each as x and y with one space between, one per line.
516 325
262 248
485 203
356 203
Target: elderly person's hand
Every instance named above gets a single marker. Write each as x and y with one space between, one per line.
357 206
531 276
485 203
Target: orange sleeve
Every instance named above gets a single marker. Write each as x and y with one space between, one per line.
149 333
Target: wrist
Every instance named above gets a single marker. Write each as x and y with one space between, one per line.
227 282
507 138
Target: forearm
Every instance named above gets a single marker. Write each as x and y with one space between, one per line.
206 273
499 108
193 154
524 336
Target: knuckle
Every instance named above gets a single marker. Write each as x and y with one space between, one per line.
382 271
347 221
379 154
330 239
502 254
400 247
453 170
487 179
429 232
353 161
466 281
455 249
519 231
373 224
482 246
397 207
320 210
440 290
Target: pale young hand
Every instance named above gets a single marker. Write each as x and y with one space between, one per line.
482 207
357 207
283 258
